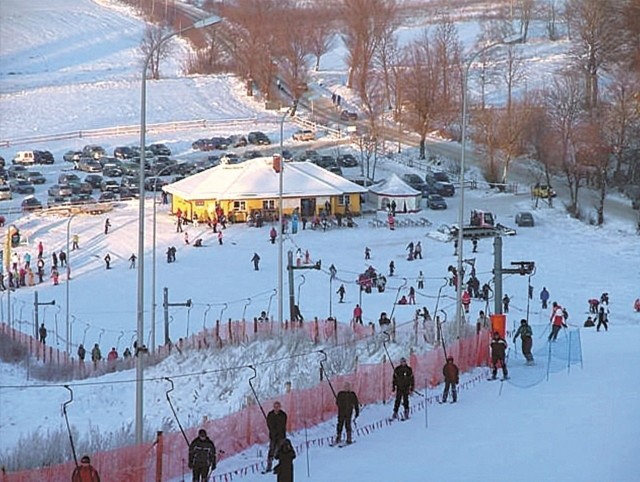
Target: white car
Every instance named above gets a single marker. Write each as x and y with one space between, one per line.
304 135
25 158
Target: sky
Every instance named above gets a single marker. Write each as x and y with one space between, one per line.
579 425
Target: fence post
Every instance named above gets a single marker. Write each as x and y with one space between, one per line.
159 453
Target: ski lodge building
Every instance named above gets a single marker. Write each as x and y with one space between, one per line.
244 189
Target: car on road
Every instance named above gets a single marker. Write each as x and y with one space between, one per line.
304 135
31 203
21 186
525 219
258 138
35 177
436 201
347 115
347 160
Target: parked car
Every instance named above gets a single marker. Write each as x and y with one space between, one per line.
438 176
326 162
445 189
60 190
154 183
335 169
71 156
5 192
89 165
525 218
108 196
227 158
123 152
111 170
109 185
2 161
202 145
35 177
81 198
93 150
251 154
43 157
414 181
347 115
131 182
258 138
237 141
436 201
304 135
309 155
14 172
94 180
25 158
31 203
347 160
21 186
160 150
67 177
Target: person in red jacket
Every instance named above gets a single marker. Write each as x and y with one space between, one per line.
357 314
466 301
85 471
557 321
451 379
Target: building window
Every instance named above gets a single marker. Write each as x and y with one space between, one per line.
199 203
269 204
239 206
344 200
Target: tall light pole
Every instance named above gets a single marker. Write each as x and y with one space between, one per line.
465 84
140 292
67 285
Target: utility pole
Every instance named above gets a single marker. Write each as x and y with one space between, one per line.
166 305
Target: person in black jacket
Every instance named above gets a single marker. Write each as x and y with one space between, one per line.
347 402
285 454
451 379
202 456
277 425
498 354
403 383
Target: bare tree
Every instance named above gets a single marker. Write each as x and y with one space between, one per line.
550 9
512 73
526 13
321 34
386 55
448 60
153 48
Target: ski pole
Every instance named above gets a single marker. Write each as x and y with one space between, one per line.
384 344
323 371
174 410
66 417
255 375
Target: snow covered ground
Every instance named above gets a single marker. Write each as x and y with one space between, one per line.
580 425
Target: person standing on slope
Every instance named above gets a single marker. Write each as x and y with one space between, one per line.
202 456
277 425
498 354
557 321
526 335
403 383
451 378
85 472
347 402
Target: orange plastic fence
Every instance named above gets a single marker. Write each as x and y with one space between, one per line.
239 431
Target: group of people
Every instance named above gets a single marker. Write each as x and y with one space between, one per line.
22 273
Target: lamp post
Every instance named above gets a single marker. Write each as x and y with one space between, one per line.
286 113
465 84
140 291
67 285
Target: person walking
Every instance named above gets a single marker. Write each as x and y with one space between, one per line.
498 355
82 352
220 235
341 292
420 279
417 250
74 242
256 261
392 268
42 332
603 318
96 355
557 321
285 454
544 297
367 253
273 234
526 335
85 472
505 303
132 261
107 261
403 383
277 425
348 404
107 225
357 314
451 379
202 456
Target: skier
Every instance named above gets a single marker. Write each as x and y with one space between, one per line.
42 331
179 225
636 305
392 268
40 266
54 259
85 472
505 303
332 272
40 249
498 354
466 301
474 242
126 354
63 258
256 261
410 249
367 253
412 296
557 321
417 251
132 261
277 425
285 454
202 456
55 276
403 383
357 314
96 355
384 321
341 291
107 261
526 335
74 242
186 238
347 402
544 297
589 322
82 352
603 318
220 237
451 378
420 278
107 225
273 234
